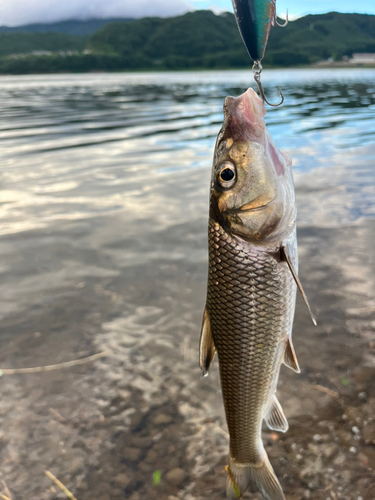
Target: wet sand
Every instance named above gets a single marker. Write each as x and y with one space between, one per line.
132 282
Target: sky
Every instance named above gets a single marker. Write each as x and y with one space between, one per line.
299 8
18 12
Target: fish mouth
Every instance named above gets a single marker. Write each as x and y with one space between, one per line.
245 115
249 207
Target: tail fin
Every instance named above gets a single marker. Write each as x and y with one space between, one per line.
262 474
238 480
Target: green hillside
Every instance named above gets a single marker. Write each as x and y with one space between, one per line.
202 39
23 43
313 38
197 39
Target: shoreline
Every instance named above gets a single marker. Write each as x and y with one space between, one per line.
322 65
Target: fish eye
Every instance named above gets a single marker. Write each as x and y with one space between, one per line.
226 175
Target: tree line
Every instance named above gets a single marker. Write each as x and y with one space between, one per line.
196 40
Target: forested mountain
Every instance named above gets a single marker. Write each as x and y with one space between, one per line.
26 43
197 39
202 39
313 38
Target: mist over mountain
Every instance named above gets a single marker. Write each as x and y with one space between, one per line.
69 27
26 12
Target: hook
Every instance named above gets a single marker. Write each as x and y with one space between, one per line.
274 19
257 69
286 20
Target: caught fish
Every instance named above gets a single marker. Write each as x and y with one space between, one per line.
252 284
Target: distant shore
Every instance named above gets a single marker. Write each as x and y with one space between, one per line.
195 41
322 65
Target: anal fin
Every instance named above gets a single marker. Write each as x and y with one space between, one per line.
290 358
275 418
206 345
285 254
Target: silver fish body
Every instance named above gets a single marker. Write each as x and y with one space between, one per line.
250 303
251 289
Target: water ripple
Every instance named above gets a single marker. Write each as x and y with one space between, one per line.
75 146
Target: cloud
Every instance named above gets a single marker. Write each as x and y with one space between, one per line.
15 13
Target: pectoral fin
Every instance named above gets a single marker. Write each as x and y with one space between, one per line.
290 358
275 418
206 346
285 254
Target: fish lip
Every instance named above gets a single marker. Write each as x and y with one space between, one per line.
255 209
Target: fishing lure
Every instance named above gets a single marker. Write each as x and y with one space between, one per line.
254 20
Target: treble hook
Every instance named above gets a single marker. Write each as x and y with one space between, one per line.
286 20
257 69
274 20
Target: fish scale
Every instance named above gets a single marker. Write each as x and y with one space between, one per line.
250 302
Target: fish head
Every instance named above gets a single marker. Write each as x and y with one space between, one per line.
252 192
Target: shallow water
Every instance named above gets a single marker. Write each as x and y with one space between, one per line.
104 204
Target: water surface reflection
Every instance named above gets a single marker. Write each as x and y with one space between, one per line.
104 200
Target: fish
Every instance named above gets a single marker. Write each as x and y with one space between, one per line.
251 290
254 20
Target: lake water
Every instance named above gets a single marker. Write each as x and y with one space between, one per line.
103 246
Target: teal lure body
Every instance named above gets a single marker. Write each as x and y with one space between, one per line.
254 19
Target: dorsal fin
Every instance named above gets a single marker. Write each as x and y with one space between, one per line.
206 345
290 358
285 254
